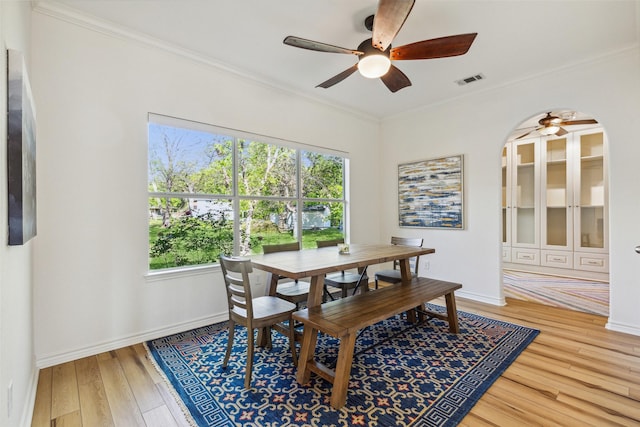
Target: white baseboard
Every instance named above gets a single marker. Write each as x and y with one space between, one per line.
481 298
624 328
56 359
30 401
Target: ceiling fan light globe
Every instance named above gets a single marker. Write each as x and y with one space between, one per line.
549 130
374 66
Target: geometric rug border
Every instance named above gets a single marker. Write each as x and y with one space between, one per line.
172 390
180 394
433 416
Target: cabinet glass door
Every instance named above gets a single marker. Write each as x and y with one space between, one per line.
524 212
591 213
555 183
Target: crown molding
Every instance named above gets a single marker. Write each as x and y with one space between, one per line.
112 29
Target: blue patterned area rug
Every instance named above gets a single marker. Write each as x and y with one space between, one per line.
422 376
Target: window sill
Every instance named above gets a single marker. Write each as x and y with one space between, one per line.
173 273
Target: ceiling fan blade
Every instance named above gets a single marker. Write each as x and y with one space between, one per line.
524 134
338 77
580 122
388 20
317 46
435 48
561 132
395 79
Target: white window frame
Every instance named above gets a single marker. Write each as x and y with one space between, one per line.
235 197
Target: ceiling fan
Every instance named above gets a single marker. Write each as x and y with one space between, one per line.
375 54
551 125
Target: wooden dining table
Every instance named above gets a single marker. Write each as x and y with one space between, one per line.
316 263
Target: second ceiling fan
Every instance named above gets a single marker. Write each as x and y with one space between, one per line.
552 125
375 54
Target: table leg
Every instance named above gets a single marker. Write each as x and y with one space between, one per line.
365 284
315 291
263 338
452 314
272 283
405 271
343 371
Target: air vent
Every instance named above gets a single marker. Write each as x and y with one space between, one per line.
471 79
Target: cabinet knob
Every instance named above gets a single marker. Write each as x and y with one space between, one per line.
638 249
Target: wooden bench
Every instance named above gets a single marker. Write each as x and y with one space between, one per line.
343 319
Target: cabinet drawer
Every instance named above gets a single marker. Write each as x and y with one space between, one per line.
591 262
556 259
506 254
525 256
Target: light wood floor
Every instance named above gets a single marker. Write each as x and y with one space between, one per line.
575 373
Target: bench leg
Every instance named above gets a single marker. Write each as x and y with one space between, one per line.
343 371
452 313
307 352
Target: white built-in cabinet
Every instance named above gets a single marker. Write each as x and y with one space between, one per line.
554 202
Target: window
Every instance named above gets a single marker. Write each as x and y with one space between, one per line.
215 191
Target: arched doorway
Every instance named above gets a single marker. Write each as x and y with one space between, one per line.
555 212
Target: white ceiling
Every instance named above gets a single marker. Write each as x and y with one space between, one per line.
516 40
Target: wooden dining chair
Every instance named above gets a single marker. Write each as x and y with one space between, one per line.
296 291
394 276
343 280
258 313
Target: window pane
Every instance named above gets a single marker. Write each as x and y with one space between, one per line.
322 176
321 221
189 161
266 222
185 232
266 169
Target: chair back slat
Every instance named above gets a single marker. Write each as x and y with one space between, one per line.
236 279
327 243
238 295
407 241
281 247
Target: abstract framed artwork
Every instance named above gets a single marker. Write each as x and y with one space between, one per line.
430 193
21 152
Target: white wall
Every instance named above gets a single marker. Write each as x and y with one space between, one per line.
17 360
93 92
478 126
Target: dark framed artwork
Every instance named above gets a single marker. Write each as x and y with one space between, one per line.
430 193
21 152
